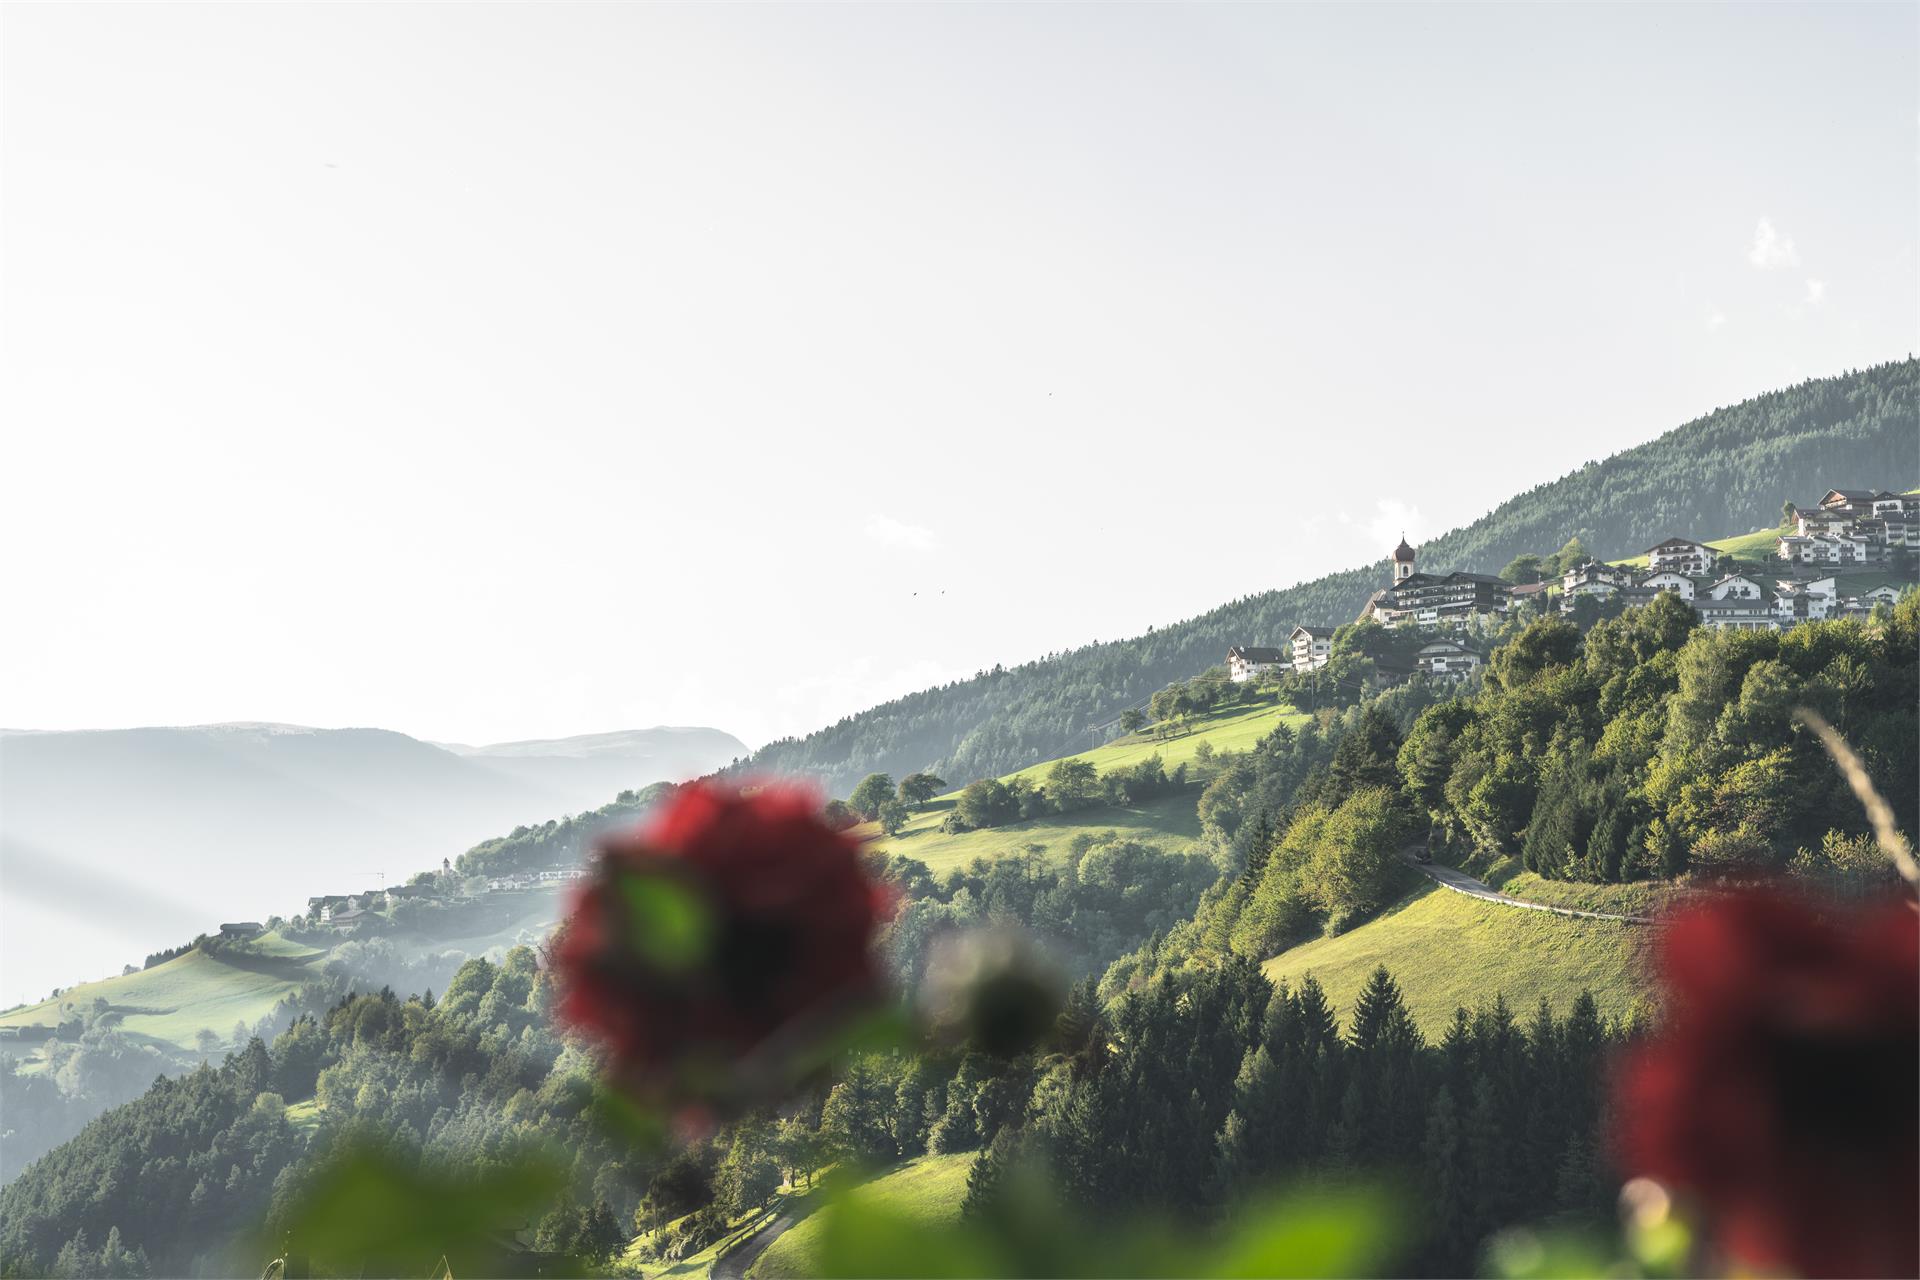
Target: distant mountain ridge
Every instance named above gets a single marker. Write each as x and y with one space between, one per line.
1726 471
117 842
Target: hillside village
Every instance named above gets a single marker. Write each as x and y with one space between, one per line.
1841 557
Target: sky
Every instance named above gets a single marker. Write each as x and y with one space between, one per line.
492 372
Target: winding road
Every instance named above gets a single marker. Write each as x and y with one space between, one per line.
1460 882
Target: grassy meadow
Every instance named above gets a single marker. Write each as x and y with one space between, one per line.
1170 821
172 1002
1446 950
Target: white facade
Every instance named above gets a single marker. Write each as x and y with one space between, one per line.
1683 555
1736 586
1671 581
1311 647
1244 664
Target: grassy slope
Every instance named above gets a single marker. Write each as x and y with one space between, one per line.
1637 898
1231 729
171 1002
697 1265
1171 820
929 1189
1446 950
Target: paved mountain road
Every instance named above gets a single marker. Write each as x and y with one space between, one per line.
1461 882
734 1265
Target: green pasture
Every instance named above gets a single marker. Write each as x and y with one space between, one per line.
171 1002
1447 950
1170 820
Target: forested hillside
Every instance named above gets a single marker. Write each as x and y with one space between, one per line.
1727 471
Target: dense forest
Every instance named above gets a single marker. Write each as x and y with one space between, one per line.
1722 474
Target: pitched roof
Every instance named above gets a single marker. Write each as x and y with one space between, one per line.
1254 653
1675 542
1316 630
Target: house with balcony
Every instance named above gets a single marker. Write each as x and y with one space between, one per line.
1310 646
1695 559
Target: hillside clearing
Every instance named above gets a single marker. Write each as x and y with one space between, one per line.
1447 950
174 1001
1229 729
1170 821
928 1190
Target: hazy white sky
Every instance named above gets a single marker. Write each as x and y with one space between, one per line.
488 372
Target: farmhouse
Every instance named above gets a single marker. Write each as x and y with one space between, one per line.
1250 662
243 929
1683 555
1311 646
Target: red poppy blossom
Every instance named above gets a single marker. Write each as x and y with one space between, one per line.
1783 1092
712 948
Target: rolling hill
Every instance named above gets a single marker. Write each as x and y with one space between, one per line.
1729 469
117 843
1447 950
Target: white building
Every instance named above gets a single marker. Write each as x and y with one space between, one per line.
1669 580
1736 586
1592 579
1311 646
1250 662
1695 559
1739 613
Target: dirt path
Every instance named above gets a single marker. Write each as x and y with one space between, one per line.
1461 882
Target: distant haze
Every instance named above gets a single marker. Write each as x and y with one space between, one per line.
119 843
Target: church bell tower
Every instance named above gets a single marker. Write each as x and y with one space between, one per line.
1402 561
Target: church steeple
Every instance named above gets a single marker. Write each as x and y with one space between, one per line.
1402 560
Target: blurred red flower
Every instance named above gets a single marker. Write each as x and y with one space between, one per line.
715 948
1783 1091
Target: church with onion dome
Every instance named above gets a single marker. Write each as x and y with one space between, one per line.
1430 600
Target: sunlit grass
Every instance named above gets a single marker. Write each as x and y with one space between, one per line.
929 1190
172 1002
1447 950
1169 820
